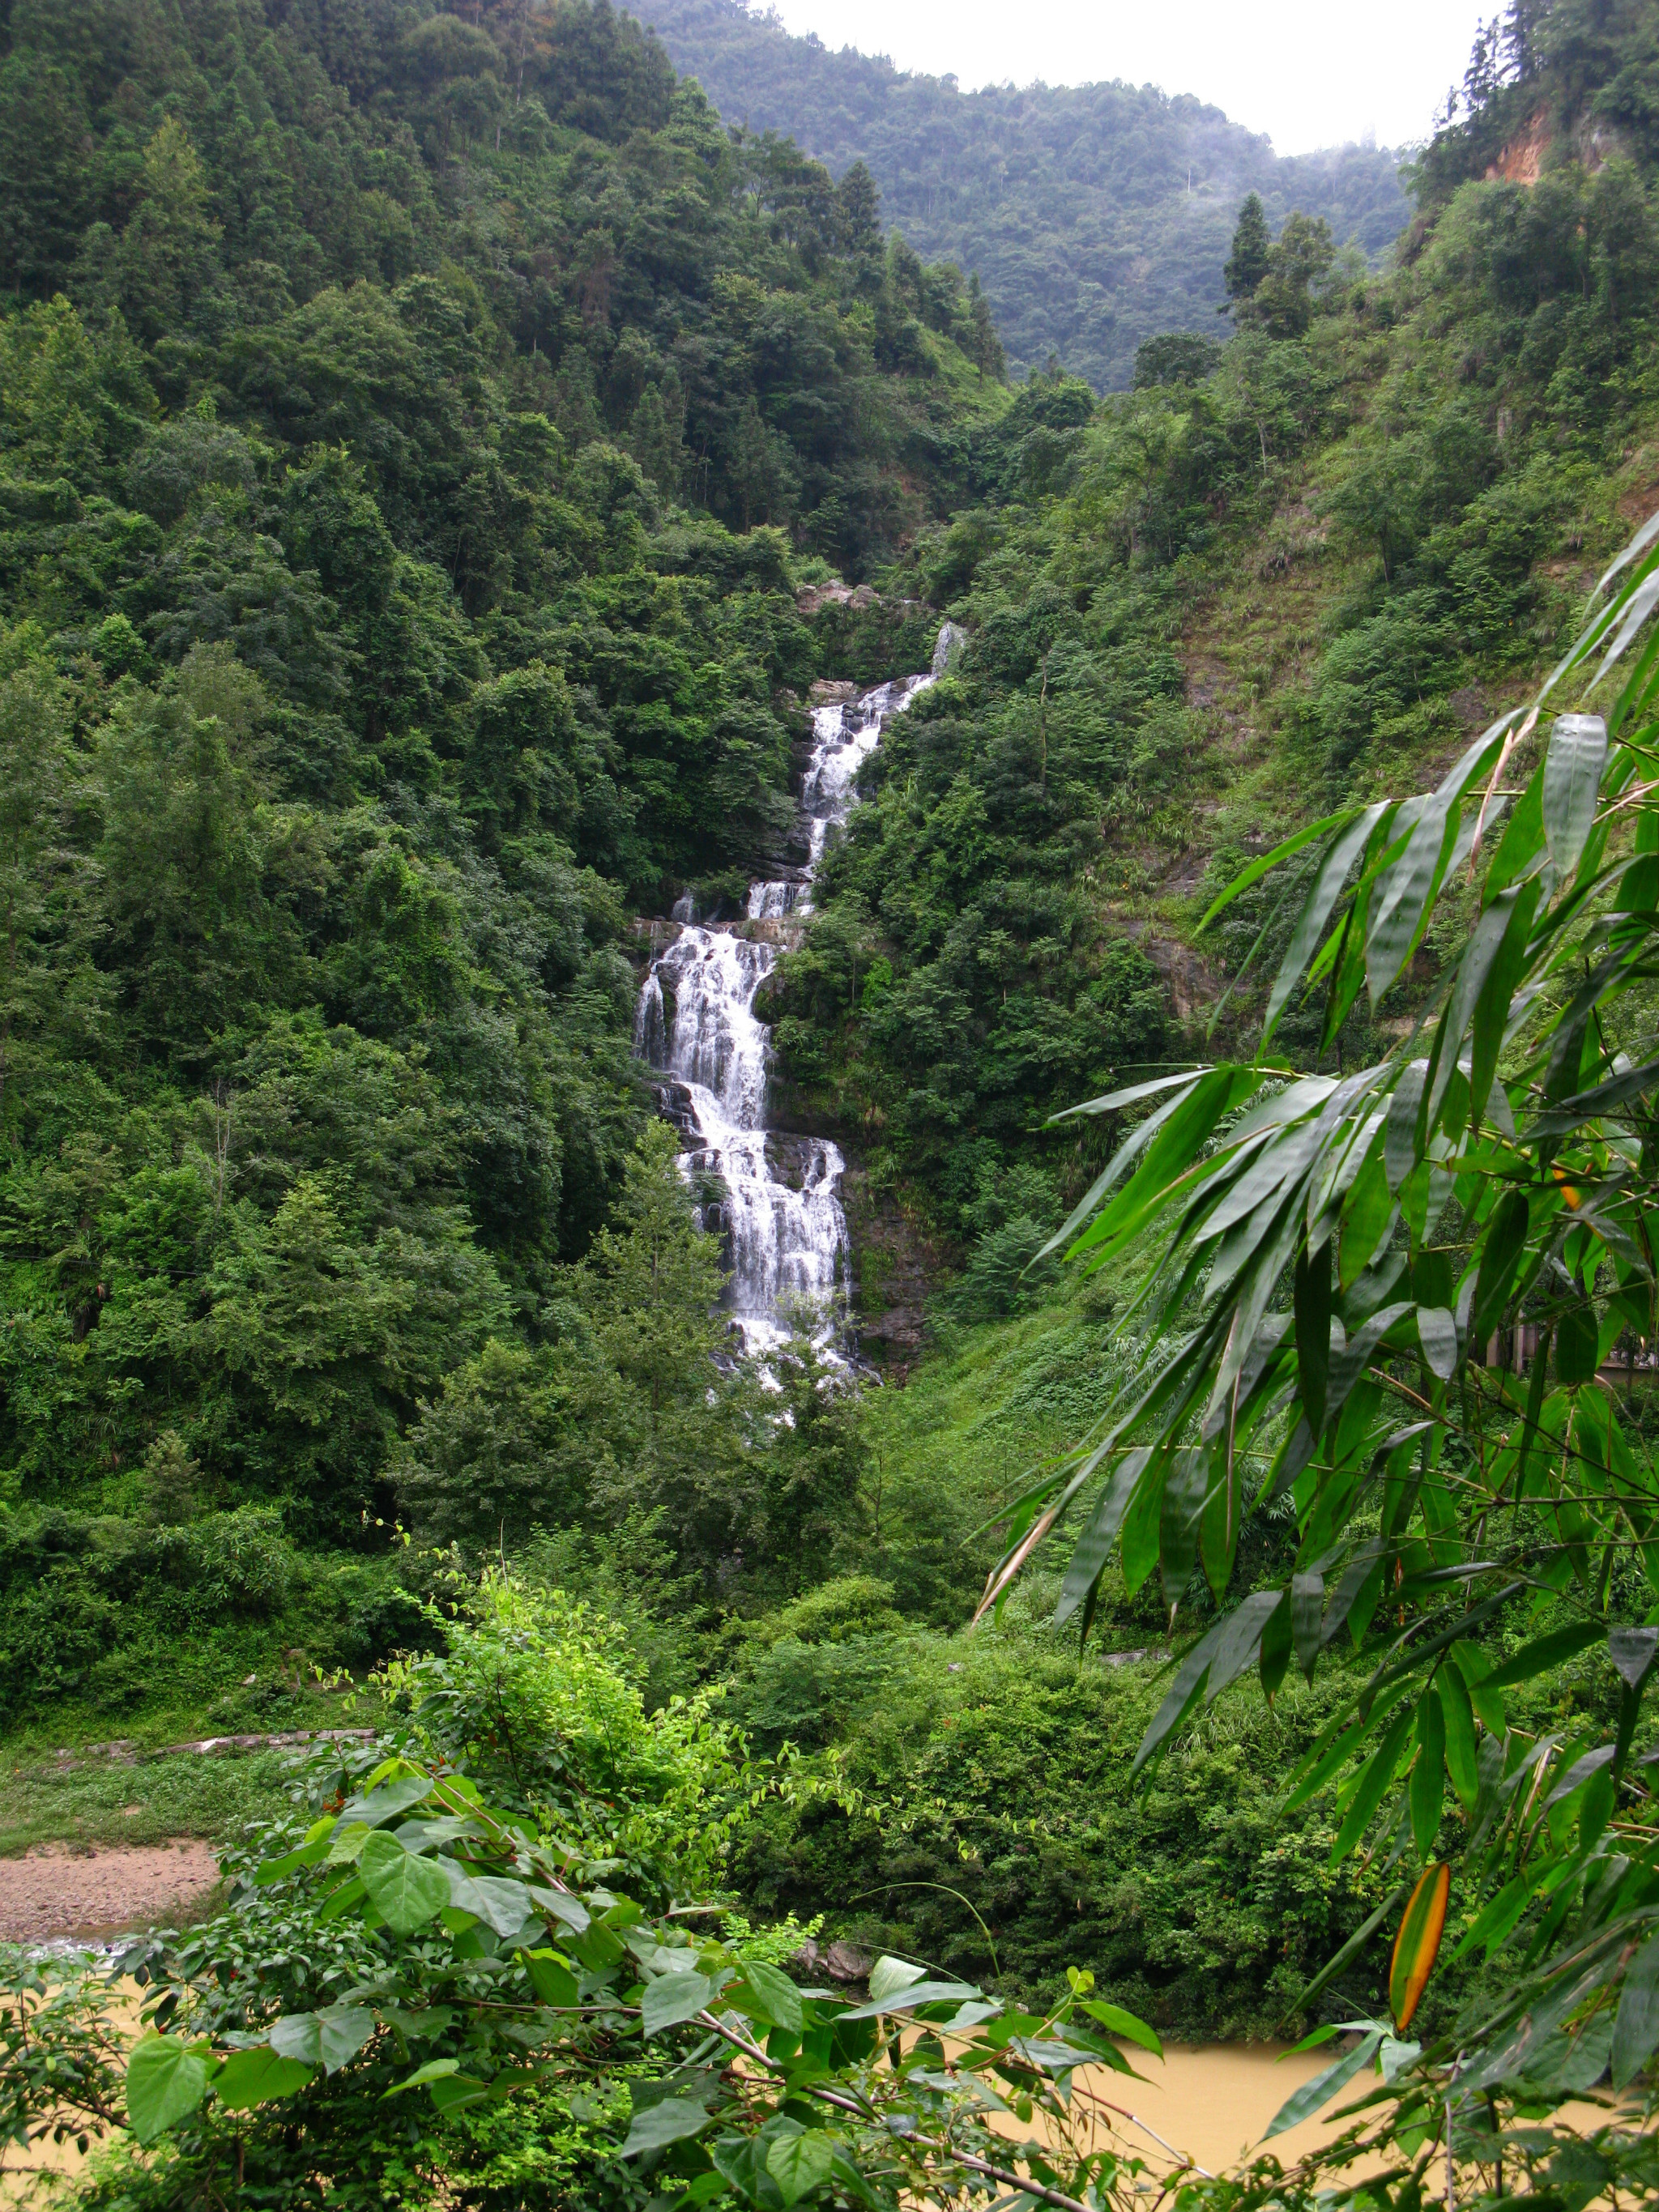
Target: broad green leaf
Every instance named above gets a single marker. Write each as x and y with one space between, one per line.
405 1891
559 1905
167 2079
504 1903
436 2069
551 1979
777 1994
801 2163
387 1802
257 2076
329 2038
888 1976
452 2092
926 1992
1117 2021
672 1999
1572 778
671 2120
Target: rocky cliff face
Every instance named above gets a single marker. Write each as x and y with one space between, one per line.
896 1263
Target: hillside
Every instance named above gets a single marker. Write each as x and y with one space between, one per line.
1303 570
437 456
1095 216
407 447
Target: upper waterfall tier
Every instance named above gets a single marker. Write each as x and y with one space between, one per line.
780 1207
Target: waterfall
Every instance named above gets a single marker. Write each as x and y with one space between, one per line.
779 1206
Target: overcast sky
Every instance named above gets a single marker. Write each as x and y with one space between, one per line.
1308 72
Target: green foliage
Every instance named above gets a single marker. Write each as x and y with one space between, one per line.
419 1942
1505 1174
408 428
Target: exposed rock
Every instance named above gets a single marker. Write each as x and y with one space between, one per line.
949 647
896 1263
1193 983
1471 707
834 594
1521 161
842 1962
827 692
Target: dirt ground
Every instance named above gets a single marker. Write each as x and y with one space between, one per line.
61 1889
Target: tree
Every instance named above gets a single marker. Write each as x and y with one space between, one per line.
986 351
1301 254
168 258
1413 1279
656 436
859 204
1247 264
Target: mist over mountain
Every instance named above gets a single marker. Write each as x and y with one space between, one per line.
1096 215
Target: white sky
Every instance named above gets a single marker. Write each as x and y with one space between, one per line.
1308 72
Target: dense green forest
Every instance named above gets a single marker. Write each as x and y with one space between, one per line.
1095 216
424 435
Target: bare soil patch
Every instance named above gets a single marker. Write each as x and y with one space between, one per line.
61 1889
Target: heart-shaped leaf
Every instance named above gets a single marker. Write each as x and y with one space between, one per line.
670 2121
167 2079
406 1892
256 2077
328 2038
776 1995
673 1998
799 2163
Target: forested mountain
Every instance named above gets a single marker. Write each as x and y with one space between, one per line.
436 452
410 424
1275 576
1096 215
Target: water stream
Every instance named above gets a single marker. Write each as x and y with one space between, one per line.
779 1206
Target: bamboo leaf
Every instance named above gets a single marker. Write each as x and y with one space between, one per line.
1428 1784
1323 2087
1572 779
1375 1778
1458 1719
1418 1944
1333 872
1636 2028
1258 868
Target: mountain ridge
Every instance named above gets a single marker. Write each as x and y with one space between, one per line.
1113 230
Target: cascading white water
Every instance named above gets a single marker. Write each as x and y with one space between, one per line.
779 1206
